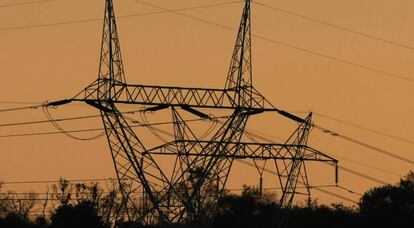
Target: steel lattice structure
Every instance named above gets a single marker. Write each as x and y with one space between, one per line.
202 166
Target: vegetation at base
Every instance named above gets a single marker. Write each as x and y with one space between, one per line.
86 205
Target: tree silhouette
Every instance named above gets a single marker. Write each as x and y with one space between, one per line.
87 205
390 204
82 215
13 220
62 192
250 209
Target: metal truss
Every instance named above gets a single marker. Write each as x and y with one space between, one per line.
165 96
292 172
201 167
244 150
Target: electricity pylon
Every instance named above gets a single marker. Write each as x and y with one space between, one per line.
202 166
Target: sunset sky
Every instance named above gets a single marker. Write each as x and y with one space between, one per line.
347 60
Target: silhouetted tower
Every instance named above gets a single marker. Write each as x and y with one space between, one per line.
202 166
134 167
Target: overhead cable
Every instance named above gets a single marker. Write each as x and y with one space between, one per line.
100 19
364 128
309 51
334 26
25 3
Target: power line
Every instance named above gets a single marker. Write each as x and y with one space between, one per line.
21 108
309 51
58 119
334 26
96 129
25 3
177 11
36 182
40 103
87 130
364 164
376 180
106 192
349 190
50 193
316 188
119 17
50 133
355 141
58 127
20 102
325 130
340 167
336 59
161 123
364 128
56 181
106 179
251 132
48 121
353 171
146 124
364 144
50 24
336 195
263 137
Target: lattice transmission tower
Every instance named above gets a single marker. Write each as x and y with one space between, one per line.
189 189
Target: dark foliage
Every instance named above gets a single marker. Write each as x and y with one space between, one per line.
17 221
386 206
249 209
390 205
82 215
335 215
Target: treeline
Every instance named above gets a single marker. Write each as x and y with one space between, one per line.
63 205
87 205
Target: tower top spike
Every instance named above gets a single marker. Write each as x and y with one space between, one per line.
239 77
110 66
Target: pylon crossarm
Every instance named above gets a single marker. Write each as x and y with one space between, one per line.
175 96
240 150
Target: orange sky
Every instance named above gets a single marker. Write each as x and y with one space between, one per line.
56 62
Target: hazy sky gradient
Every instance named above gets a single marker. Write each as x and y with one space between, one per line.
56 62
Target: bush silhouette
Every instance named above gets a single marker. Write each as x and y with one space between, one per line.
82 215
